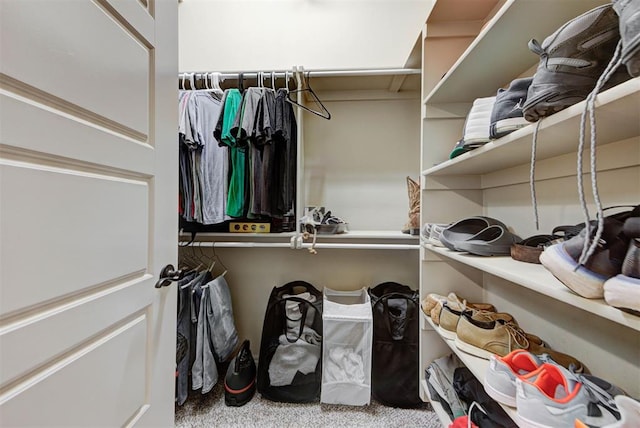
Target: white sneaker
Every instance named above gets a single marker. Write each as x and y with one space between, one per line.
478 124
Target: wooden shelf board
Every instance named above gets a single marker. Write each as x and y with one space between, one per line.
479 71
557 135
537 278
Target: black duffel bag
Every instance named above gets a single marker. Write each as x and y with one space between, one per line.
394 358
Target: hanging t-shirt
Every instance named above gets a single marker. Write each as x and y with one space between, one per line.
243 126
213 160
185 141
264 131
286 134
232 101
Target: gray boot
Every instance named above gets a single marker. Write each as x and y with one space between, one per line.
571 61
629 14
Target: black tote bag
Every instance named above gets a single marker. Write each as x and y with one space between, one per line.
278 331
394 375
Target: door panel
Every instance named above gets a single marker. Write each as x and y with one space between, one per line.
108 79
99 225
105 309
115 398
68 136
88 194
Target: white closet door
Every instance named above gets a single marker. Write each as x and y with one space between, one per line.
88 191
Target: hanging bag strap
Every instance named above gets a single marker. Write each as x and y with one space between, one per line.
303 305
384 300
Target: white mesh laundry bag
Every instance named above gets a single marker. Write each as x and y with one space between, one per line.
347 323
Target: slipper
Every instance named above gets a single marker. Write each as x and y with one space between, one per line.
466 228
492 241
529 250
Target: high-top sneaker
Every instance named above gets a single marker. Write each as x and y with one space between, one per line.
507 115
476 127
629 13
606 262
623 290
240 381
571 61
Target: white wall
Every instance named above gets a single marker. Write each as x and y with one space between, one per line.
238 35
356 164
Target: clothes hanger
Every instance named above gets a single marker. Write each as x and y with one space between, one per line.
324 113
215 255
286 80
273 80
241 82
216 79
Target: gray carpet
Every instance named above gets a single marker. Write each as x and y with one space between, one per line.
210 411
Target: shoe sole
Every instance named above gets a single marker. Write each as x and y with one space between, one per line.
449 335
527 423
473 350
623 292
506 126
549 102
577 278
500 397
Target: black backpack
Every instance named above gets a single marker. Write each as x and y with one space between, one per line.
303 388
394 358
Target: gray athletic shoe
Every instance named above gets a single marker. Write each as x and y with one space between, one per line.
552 397
571 61
629 13
506 115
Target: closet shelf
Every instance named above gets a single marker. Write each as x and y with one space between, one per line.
476 365
557 134
535 277
479 71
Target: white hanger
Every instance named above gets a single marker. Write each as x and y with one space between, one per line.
273 80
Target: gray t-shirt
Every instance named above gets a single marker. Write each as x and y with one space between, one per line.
213 163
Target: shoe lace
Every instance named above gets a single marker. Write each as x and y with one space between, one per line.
516 335
597 394
590 244
532 174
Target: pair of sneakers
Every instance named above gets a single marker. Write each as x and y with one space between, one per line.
485 334
547 394
493 117
431 232
612 271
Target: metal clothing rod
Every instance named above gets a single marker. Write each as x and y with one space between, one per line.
363 246
234 75
364 72
240 244
306 245
315 73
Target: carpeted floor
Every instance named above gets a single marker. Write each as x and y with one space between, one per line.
210 411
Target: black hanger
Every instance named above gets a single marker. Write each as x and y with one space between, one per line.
241 82
324 113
